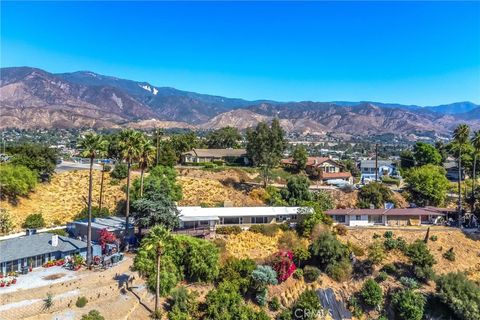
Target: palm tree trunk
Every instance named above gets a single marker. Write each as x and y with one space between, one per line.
127 206
101 189
157 284
89 225
141 183
474 178
460 183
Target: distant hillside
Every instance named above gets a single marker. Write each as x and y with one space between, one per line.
34 98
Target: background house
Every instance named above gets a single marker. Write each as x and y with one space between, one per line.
385 168
238 156
196 217
36 249
451 166
324 168
113 224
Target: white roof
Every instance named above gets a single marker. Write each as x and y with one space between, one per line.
199 213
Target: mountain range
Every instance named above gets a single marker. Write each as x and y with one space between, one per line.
34 98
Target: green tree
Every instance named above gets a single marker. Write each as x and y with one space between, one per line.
425 153
120 171
223 138
265 146
156 208
351 167
155 241
376 252
34 221
129 142
146 157
91 146
15 181
273 197
299 157
408 305
374 193
327 250
297 190
39 158
324 199
422 260
92 315
167 156
460 138
442 149
160 178
371 293
308 217
427 185
183 304
407 160
476 151
460 294
184 142
238 271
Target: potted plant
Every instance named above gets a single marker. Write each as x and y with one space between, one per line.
2 283
14 280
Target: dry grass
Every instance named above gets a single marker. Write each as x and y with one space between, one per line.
467 251
251 245
64 197
210 192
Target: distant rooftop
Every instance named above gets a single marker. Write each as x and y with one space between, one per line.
109 223
199 213
217 153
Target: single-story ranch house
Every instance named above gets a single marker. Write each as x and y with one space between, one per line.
198 217
326 168
238 156
387 217
36 249
113 224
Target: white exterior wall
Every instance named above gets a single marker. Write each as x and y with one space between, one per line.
352 222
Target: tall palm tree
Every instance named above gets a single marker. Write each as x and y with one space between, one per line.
460 137
145 159
129 144
476 150
92 146
156 240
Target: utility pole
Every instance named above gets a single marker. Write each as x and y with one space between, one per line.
376 162
158 134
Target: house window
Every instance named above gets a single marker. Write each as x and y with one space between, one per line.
358 217
375 219
231 220
259 219
339 218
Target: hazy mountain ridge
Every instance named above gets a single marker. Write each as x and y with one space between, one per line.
31 97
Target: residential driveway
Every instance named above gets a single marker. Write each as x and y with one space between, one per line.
36 279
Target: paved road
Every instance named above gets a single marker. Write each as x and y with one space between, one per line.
70 166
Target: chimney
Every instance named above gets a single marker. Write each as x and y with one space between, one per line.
54 240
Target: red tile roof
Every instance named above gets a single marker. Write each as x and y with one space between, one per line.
312 161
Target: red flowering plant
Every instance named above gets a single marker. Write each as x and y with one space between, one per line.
106 237
283 264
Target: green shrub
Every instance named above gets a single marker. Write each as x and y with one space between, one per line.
81 302
460 294
307 306
339 271
449 254
284 315
390 244
265 229
421 259
261 297
93 315
382 276
16 180
238 271
311 273
388 234
228 230
433 238
34 221
409 283
389 268
408 305
371 293
263 276
402 244
209 165
355 307
274 304
376 252
183 303
120 171
298 274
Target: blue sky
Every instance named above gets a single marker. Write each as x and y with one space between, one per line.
423 53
